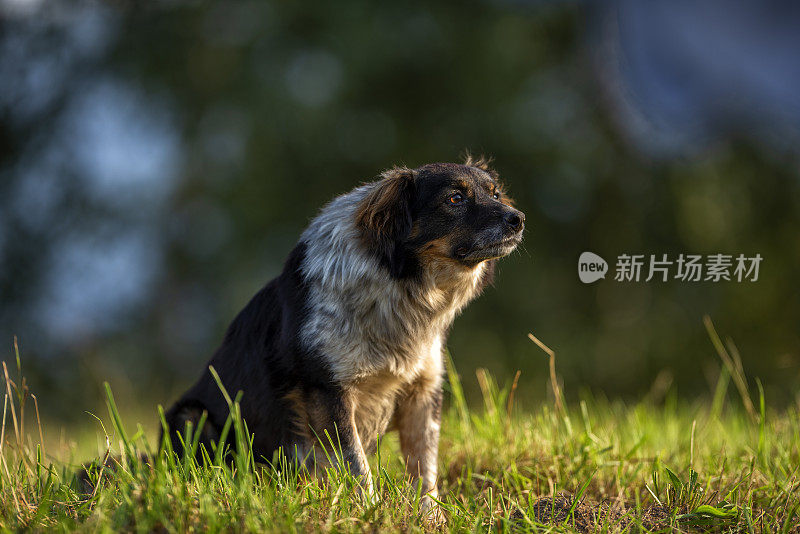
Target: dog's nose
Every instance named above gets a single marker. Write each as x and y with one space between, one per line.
514 219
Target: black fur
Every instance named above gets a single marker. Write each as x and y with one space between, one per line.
262 357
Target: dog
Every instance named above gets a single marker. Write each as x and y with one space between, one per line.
347 341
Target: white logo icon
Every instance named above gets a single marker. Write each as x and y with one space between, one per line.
591 267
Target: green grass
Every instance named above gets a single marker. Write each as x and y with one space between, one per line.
724 464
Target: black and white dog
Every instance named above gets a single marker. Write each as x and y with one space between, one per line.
348 339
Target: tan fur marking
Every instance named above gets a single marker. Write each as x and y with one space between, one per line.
437 249
446 271
376 210
300 421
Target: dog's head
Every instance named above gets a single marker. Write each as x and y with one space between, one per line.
439 213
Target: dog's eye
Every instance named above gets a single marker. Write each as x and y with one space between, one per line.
456 198
496 195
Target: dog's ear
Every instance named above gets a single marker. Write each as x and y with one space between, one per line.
384 217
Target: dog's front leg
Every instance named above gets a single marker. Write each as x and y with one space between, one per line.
418 418
335 427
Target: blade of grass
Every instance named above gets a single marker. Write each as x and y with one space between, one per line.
737 375
553 378
117 420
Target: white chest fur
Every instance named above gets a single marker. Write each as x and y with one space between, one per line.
376 395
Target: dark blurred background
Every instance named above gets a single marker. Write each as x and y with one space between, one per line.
157 164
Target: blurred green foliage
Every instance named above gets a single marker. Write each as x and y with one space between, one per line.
280 106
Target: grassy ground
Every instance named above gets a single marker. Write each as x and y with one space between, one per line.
728 464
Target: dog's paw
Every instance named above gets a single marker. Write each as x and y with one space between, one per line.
431 512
